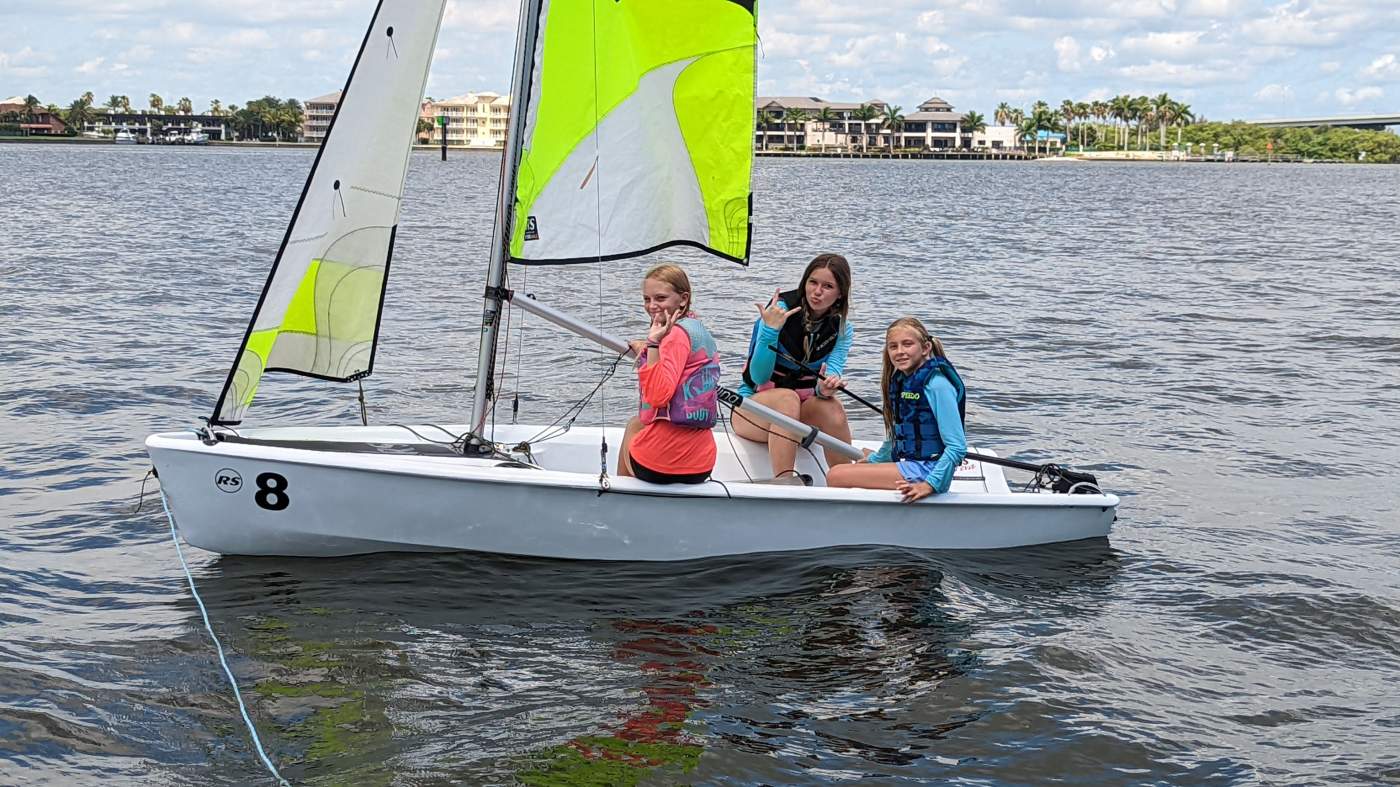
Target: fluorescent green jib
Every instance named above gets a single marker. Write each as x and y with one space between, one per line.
593 57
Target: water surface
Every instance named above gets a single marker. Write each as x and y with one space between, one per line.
1218 343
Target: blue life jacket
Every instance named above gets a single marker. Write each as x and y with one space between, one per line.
915 428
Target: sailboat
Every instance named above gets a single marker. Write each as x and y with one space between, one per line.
630 131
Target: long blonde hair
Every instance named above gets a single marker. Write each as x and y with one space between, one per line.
674 275
887 367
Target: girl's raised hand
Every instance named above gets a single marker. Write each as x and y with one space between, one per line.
774 316
662 325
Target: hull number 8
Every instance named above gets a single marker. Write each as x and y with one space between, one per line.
272 492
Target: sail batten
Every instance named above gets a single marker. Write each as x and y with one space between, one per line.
319 313
638 132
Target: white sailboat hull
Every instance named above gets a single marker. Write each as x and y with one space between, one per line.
315 499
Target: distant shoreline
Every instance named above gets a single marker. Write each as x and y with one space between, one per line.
1139 157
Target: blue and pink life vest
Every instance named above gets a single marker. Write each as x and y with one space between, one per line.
695 404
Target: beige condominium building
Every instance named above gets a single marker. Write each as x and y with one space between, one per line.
318 112
933 126
474 120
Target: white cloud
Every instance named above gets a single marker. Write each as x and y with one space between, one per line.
1181 45
1176 75
249 37
1347 97
1329 67
1101 53
1383 67
90 66
24 64
931 21
1274 93
1067 54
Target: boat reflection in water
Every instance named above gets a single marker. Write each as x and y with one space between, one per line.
483 667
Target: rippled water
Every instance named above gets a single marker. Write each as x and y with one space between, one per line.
1219 343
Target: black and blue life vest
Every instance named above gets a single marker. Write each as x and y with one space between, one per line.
915 427
808 343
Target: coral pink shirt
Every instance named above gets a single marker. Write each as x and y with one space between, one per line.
661 445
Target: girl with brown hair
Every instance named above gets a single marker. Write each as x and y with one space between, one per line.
807 325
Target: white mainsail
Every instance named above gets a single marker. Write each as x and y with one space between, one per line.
319 311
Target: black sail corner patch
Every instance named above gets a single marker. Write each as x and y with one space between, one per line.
532 229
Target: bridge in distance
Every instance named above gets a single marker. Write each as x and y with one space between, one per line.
1369 122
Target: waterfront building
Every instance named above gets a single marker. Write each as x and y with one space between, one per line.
933 126
317 113
475 120
151 125
41 123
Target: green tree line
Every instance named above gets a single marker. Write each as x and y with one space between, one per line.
268 117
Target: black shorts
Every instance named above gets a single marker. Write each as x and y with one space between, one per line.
645 473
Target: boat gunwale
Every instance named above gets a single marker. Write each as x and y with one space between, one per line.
188 442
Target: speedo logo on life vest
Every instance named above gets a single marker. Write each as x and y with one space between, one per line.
909 395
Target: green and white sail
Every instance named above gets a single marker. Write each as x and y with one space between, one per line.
638 130
319 311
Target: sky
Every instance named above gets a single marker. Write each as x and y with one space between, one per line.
1228 59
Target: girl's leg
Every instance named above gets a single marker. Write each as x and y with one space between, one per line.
863 475
782 447
624 454
829 416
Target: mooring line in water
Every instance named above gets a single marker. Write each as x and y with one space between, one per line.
243 709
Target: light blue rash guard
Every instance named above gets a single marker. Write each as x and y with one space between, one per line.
762 358
944 397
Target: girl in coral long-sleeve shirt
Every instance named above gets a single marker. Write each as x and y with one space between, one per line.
670 441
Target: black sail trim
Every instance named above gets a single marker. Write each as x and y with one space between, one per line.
214 419
744 260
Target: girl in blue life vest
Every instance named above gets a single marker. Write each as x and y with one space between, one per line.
925 406
669 442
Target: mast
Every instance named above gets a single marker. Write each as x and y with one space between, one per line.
527 35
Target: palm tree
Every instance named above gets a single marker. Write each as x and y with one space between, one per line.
1083 111
895 120
1120 108
1184 116
865 114
216 107
157 102
799 118
1002 115
1069 113
78 115
88 97
31 106
1142 111
184 106
973 123
826 117
1026 130
1099 109
114 101
1162 114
